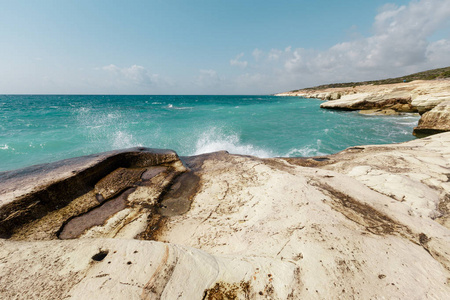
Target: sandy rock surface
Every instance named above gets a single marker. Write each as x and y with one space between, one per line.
434 121
370 222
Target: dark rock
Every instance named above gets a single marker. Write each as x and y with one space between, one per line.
30 193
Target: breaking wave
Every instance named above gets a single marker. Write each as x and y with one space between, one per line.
214 139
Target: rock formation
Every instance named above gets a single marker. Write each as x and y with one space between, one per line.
435 120
369 222
419 96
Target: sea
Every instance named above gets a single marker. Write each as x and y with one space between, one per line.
37 129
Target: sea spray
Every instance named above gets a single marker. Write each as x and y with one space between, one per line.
214 139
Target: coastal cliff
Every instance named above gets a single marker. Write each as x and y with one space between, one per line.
422 96
368 222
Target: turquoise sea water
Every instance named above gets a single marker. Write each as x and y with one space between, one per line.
43 128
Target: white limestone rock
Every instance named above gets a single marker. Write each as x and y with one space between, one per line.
367 223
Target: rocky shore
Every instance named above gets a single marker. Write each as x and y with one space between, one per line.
370 222
430 98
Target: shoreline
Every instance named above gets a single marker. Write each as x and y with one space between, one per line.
429 98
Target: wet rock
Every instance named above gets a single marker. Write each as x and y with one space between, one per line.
178 199
77 225
33 193
152 172
379 112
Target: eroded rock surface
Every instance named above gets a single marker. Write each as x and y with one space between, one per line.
114 194
434 121
370 222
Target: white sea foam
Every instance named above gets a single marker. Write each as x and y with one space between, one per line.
4 147
214 140
306 151
171 106
84 109
414 123
183 108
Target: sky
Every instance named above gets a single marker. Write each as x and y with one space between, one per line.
214 47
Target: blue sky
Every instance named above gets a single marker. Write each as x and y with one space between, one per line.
214 47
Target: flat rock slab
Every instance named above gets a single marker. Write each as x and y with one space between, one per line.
130 269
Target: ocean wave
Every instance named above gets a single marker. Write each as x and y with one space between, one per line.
83 109
214 139
399 131
171 106
306 151
409 124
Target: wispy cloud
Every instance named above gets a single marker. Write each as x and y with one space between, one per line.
257 54
207 79
237 62
134 74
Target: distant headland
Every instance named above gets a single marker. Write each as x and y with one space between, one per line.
427 93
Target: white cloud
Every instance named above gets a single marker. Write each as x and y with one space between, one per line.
133 75
237 62
257 54
138 74
111 68
275 54
400 44
207 79
438 53
399 41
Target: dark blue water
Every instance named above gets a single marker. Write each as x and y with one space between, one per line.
44 128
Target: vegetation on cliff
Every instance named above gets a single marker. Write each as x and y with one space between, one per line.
425 75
